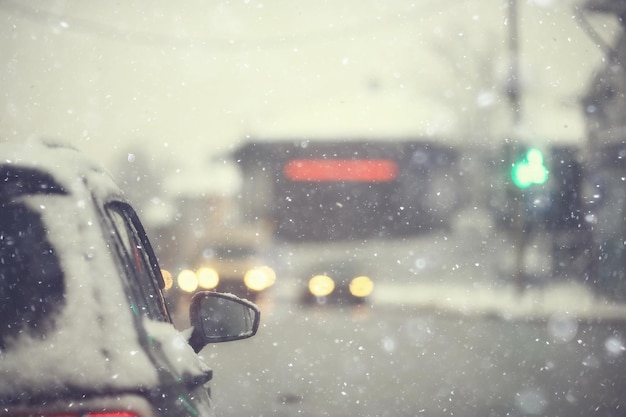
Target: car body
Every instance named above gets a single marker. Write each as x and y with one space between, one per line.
231 262
84 328
337 283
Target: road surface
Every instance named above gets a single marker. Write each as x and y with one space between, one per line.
412 361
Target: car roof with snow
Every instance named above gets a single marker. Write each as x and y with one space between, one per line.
91 340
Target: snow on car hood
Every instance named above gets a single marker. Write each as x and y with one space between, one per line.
94 344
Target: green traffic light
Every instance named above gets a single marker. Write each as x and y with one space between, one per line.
530 170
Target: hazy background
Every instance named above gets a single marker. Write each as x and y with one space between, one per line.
175 83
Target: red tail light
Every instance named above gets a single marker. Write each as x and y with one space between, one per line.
88 414
111 414
328 170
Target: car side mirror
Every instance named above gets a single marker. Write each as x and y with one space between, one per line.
218 317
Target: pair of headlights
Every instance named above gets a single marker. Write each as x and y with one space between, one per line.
324 285
206 278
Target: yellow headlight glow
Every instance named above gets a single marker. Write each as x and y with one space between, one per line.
258 279
361 286
321 285
187 281
208 278
167 278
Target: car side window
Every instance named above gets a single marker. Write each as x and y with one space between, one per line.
31 279
138 261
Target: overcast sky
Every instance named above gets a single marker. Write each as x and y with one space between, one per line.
181 81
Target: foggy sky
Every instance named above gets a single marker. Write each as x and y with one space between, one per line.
182 81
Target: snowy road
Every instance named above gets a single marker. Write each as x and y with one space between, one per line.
454 340
379 361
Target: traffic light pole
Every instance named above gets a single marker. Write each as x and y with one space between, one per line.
520 234
520 242
513 84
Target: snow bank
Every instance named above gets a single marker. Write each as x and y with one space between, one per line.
505 301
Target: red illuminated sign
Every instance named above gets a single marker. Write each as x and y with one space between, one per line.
333 170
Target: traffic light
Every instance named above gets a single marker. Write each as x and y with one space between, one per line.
529 169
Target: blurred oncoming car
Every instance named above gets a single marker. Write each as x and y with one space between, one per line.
84 329
337 283
231 262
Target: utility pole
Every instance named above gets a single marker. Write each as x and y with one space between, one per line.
520 234
513 85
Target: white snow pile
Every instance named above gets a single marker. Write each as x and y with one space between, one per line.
506 301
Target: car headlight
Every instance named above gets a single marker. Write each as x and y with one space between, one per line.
361 286
208 278
187 281
321 285
167 279
258 279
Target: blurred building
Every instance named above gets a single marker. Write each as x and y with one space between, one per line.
605 110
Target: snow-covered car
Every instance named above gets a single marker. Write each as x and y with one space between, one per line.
84 329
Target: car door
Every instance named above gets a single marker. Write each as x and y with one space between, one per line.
182 389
